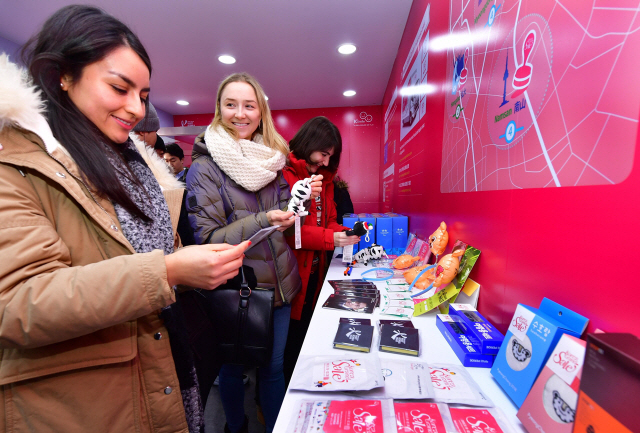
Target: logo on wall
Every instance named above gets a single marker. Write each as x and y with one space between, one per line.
187 123
365 119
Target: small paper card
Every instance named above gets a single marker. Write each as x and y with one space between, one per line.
397 288
354 416
474 420
404 303
396 311
567 359
521 321
398 281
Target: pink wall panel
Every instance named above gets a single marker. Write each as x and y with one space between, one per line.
360 130
574 245
360 160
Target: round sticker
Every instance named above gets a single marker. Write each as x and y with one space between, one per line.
559 400
518 353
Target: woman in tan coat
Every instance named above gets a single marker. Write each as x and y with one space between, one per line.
89 340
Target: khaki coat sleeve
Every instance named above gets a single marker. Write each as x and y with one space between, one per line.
43 298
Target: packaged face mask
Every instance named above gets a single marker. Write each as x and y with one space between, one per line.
423 417
404 380
337 373
343 416
452 384
472 420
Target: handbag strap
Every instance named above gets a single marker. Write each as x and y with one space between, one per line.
245 291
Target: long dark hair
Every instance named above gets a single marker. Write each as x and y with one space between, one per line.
317 134
71 39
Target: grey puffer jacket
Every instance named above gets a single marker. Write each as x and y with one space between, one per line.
221 211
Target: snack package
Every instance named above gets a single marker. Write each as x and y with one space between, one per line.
344 416
404 380
423 417
453 384
472 420
337 373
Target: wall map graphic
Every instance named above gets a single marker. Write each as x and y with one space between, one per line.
541 94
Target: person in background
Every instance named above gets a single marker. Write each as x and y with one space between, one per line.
147 131
315 151
174 156
342 198
89 338
235 187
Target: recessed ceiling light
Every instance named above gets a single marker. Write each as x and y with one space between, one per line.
227 60
347 49
182 102
349 93
266 97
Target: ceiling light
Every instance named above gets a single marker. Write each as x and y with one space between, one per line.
349 93
182 102
347 49
266 97
227 60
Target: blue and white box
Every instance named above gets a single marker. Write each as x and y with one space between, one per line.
400 227
384 231
530 339
489 337
462 341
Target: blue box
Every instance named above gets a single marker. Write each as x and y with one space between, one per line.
372 233
400 227
489 337
350 221
462 341
384 231
532 335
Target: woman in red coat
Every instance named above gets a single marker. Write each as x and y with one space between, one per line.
315 150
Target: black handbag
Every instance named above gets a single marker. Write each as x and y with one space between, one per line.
242 316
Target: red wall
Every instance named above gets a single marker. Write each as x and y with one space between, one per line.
360 159
574 245
360 130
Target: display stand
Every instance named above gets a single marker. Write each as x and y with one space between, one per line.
433 349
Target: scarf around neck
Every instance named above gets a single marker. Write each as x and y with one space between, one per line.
251 164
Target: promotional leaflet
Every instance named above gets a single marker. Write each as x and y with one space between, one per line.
404 380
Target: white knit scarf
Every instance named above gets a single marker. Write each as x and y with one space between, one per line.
251 164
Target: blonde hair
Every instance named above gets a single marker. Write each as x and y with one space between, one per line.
266 128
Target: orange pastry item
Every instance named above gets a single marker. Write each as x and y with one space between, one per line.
425 279
404 261
439 239
447 268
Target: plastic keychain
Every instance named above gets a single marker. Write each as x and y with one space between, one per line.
416 279
377 279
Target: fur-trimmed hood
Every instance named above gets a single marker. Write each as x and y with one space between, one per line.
21 105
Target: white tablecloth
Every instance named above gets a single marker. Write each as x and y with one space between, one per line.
433 349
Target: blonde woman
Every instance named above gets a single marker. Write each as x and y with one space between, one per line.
235 187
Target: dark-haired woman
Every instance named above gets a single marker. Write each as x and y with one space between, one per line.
88 335
315 150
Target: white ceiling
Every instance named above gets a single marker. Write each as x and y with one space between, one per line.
290 46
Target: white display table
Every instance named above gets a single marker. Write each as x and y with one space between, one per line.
433 349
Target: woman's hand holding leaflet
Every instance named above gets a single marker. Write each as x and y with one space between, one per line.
281 218
205 266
